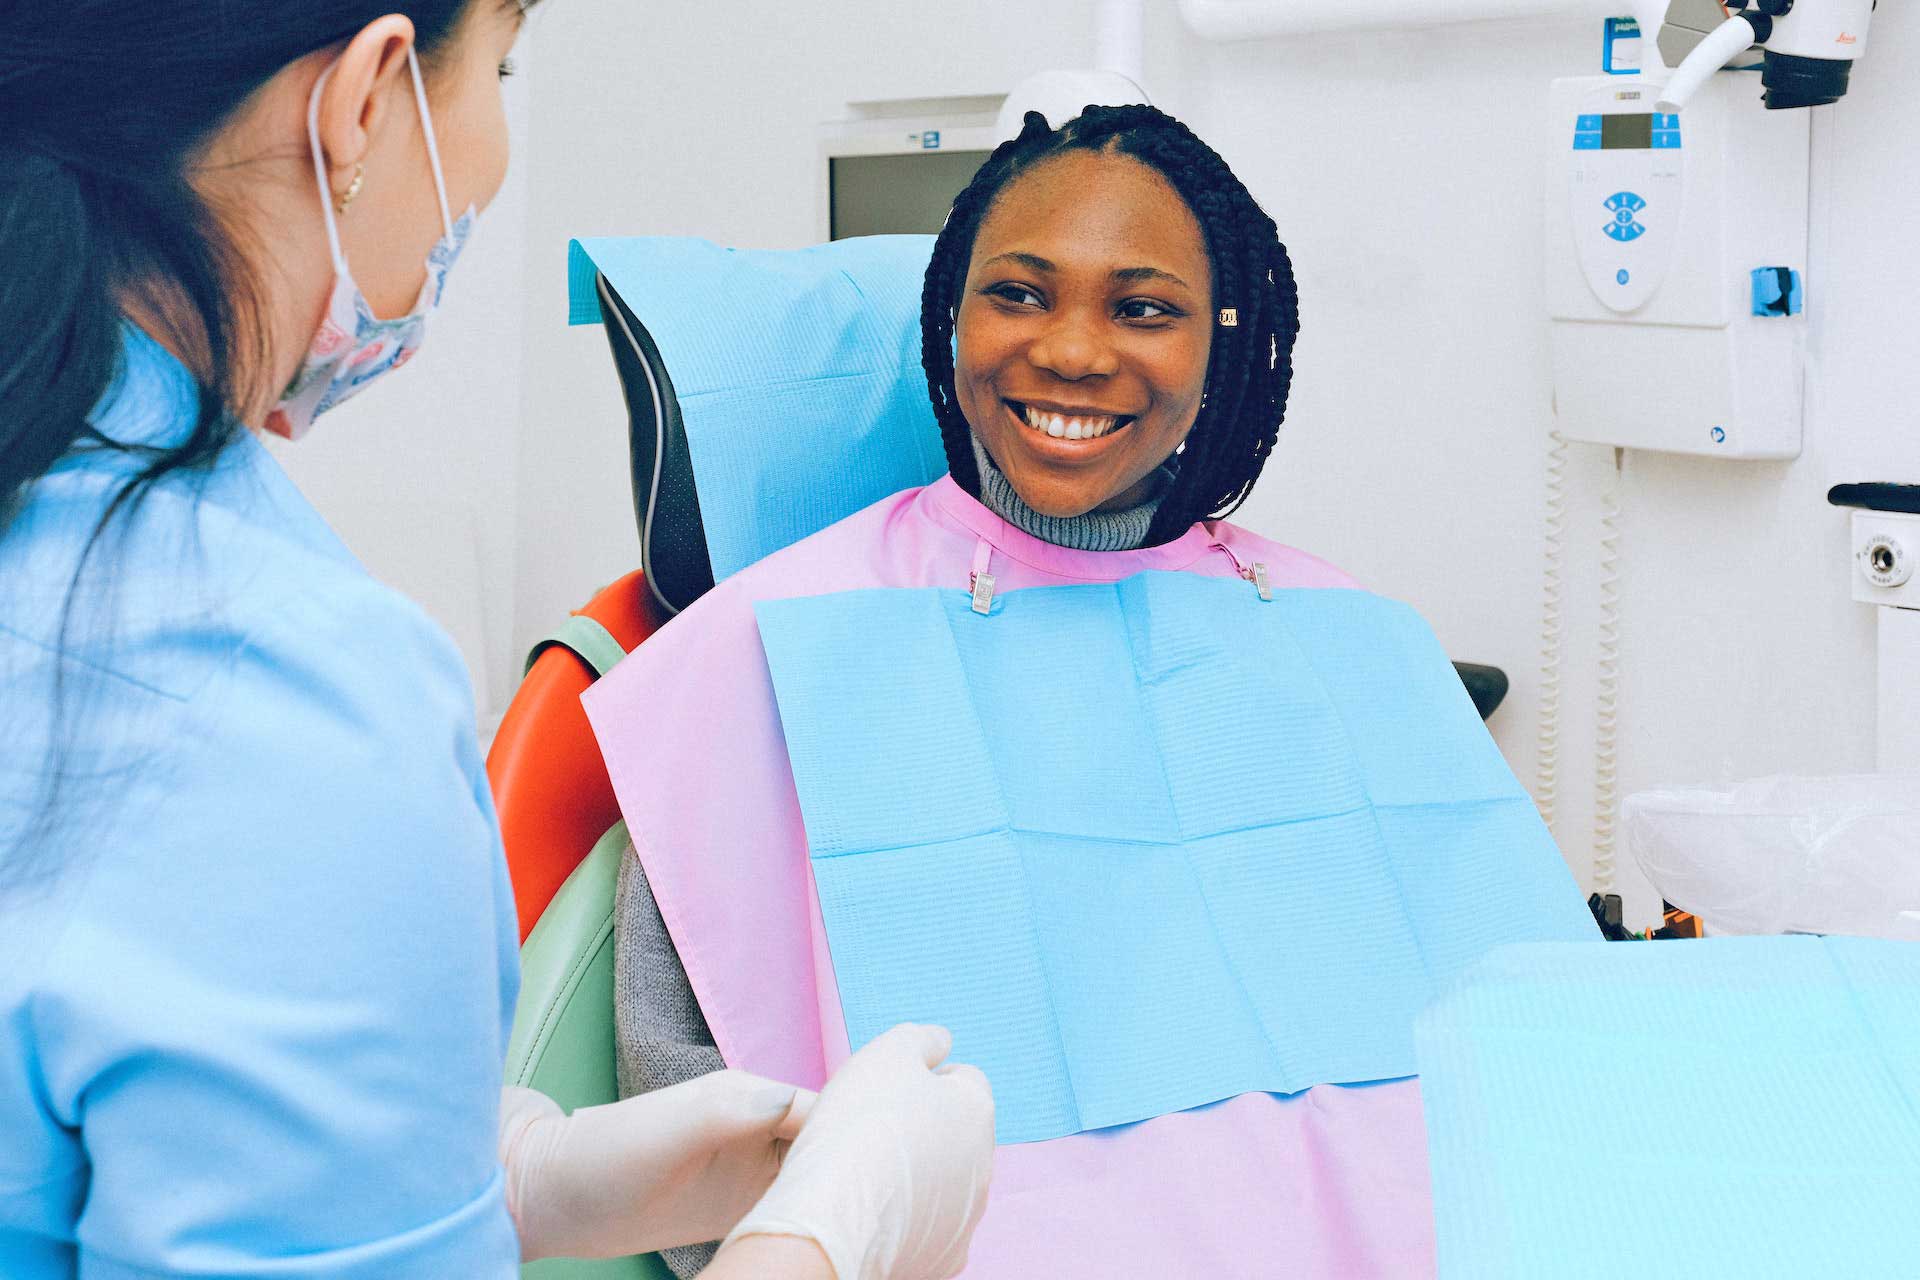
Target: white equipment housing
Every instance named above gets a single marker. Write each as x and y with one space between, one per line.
895 166
1657 224
1886 558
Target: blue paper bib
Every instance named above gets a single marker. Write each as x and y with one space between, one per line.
1151 844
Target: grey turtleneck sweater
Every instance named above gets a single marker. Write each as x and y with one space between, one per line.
1124 530
661 1037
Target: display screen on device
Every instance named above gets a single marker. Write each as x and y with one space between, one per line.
1626 133
896 194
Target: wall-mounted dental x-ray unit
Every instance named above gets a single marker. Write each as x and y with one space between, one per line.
1676 222
1677 248
1677 228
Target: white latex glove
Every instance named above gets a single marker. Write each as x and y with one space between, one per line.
889 1177
676 1166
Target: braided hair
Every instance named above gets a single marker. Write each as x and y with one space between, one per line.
1251 363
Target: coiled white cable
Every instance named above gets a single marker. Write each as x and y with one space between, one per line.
1606 720
1552 631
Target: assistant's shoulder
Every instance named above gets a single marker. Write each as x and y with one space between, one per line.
217 620
337 636
295 772
1287 566
158 588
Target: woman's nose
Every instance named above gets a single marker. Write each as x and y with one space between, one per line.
1072 348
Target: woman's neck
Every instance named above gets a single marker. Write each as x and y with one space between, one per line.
1121 530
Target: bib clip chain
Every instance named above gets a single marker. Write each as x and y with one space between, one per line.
1258 577
1256 573
980 580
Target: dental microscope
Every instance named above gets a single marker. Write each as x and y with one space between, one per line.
1806 48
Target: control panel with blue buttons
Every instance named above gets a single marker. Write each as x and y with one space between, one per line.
1624 174
1624 204
1676 251
1627 131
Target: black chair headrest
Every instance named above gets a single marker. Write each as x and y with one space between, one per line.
673 541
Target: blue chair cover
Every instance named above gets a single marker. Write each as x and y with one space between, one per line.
797 371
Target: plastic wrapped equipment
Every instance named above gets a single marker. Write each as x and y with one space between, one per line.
1787 855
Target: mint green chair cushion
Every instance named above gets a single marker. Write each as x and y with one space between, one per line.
562 1041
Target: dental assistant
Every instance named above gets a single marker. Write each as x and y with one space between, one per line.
257 955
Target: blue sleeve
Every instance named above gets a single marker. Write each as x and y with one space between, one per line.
276 1020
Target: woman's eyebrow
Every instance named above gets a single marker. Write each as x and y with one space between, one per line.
1126 275
1134 275
1032 261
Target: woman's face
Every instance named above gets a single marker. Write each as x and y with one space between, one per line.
390 231
1083 330
464 92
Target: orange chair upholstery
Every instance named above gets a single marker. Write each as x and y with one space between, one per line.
549 783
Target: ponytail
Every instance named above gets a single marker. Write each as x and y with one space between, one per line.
57 312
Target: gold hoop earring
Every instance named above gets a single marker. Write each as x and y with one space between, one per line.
346 198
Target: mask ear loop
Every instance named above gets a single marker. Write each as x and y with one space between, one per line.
320 171
320 164
433 145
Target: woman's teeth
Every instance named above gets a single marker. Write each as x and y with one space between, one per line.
1061 427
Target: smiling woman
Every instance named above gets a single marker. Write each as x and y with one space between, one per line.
1082 346
1108 323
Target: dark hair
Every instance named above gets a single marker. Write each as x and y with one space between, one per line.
1251 364
105 107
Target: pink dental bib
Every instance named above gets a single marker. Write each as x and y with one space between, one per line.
1331 1181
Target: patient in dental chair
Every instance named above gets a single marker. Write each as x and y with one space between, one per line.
1108 323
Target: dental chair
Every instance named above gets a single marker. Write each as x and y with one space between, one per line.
555 800
553 796
821 344
559 820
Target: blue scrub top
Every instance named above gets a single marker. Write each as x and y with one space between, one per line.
255 983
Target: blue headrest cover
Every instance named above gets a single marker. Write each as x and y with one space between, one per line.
797 371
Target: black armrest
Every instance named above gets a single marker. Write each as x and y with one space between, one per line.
1487 686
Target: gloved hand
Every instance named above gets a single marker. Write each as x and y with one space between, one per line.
889 1177
676 1166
